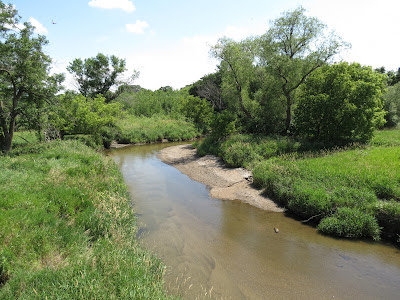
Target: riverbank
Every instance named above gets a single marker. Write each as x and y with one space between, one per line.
67 228
350 192
225 183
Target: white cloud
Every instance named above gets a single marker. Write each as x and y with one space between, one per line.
125 5
39 28
184 62
138 27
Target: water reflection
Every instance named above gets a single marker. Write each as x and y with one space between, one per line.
229 249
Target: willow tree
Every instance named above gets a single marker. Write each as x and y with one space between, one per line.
293 48
24 70
238 69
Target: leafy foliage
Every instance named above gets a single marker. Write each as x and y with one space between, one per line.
76 114
293 48
24 69
340 104
391 104
98 75
198 111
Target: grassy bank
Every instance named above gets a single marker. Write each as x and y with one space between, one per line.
351 192
67 230
133 129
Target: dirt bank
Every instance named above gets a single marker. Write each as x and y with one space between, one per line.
225 183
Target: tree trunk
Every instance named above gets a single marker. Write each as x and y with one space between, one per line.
8 142
288 113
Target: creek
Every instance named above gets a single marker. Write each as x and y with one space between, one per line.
230 250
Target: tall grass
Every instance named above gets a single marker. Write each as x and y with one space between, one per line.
67 230
134 129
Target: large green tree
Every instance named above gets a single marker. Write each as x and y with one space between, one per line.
293 48
238 69
340 104
99 75
24 71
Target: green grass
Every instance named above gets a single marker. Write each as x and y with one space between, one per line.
134 129
388 137
22 138
352 192
67 230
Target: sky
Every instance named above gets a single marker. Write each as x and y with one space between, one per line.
168 41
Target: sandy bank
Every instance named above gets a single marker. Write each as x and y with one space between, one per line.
225 183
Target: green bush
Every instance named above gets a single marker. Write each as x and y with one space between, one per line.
351 223
223 124
340 104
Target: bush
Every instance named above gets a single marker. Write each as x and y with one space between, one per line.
199 111
351 223
340 104
223 124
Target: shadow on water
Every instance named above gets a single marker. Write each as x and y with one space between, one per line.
229 249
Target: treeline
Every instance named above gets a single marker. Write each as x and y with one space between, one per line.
286 82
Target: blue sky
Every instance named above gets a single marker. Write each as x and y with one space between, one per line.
169 41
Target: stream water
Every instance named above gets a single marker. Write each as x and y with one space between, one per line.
228 249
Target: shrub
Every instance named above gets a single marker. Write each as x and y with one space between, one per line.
223 124
340 104
351 223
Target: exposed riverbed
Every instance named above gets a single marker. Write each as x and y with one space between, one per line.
229 249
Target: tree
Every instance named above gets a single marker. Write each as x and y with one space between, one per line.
199 111
39 105
340 104
209 87
237 70
99 75
293 48
391 105
24 70
392 77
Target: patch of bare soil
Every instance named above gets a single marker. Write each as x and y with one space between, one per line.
225 183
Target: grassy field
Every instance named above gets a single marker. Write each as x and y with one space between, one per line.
353 192
67 230
134 129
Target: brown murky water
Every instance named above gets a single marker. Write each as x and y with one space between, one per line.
227 249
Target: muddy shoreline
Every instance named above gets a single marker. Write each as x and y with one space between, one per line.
224 183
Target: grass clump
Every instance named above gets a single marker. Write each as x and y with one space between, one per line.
351 223
67 230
